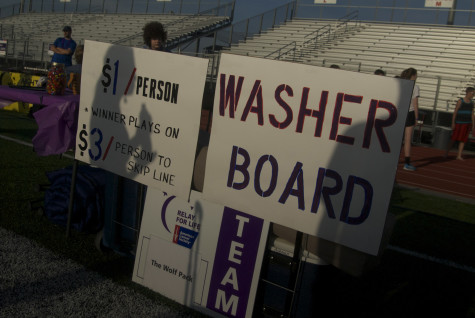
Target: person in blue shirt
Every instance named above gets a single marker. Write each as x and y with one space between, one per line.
64 48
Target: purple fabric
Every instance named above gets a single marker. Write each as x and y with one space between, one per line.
20 95
57 126
57 122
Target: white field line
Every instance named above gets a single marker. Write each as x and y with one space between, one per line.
17 141
29 144
432 259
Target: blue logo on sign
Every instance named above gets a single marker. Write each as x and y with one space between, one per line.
184 237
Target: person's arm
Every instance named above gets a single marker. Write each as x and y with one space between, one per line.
455 112
473 123
415 101
62 51
70 81
56 47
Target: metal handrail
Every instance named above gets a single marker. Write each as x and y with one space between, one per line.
294 49
261 16
349 17
326 29
182 21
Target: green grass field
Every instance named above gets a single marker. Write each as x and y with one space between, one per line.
429 271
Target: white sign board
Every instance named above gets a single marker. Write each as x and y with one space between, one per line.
139 114
210 255
311 148
439 3
325 1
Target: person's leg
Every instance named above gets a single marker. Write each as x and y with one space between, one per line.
407 148
460 149
450 145
408 140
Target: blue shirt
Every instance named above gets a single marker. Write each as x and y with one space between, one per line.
65 59
464 114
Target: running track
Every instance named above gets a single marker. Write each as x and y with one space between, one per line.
434 173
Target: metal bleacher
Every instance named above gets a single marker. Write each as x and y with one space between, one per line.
30 34
441 54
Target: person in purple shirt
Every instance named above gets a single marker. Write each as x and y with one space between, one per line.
64 48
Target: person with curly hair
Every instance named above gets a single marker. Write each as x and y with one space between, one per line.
155 36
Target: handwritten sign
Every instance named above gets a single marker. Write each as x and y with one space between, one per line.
139 114
311 148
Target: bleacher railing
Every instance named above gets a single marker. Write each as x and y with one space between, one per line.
329 31
226 10
110 6
372 10
283 51
397 11
438 110
242 30
30 56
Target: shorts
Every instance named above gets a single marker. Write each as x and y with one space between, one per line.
461 132
411 119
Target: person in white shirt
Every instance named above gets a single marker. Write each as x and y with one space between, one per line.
411 119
